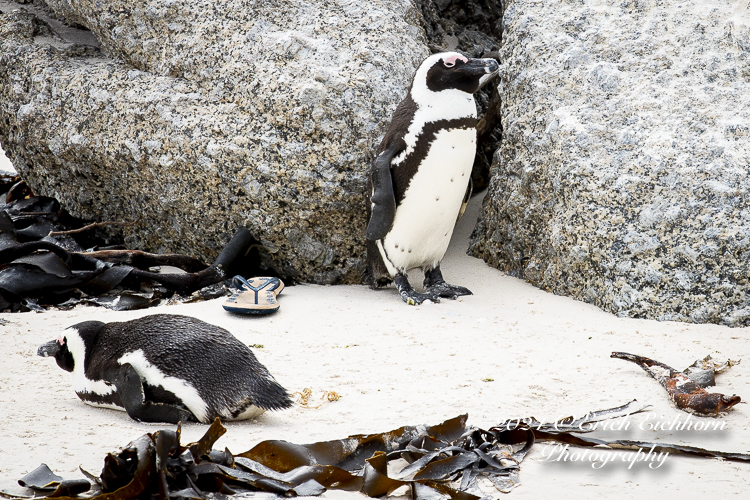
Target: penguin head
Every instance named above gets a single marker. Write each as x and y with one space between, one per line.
71 345
453 71
59 349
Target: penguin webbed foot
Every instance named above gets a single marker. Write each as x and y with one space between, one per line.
133 399
409 295
161 412
436 286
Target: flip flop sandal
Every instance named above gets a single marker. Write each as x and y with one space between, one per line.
259 282
254 296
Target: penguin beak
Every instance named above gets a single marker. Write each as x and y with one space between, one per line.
490 66
51 348
487 67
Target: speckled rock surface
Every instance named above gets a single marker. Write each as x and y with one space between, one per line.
200 117
623 176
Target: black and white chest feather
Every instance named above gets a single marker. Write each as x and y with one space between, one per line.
438 113
434 133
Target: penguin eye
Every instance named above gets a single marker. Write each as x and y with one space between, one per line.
454 59
61 340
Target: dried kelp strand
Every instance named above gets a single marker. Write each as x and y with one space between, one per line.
42 478
70 488
686 394
421 463
206 443
704 371
626 444
572 424
375 480
53 269
445 468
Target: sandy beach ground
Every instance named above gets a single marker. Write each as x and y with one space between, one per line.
5 164
508 351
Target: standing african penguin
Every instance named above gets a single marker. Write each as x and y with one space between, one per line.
421 179
166 368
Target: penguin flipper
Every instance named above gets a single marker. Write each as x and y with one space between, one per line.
382 199
376 275
467 197
133 399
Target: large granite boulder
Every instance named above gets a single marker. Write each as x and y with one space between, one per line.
203 116
623 176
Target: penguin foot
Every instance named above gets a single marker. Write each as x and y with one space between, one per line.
411 296
436 286
448 291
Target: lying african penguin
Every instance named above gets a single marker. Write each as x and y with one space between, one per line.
420 181
166 368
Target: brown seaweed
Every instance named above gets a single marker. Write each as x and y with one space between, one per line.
686 393
94 225
18 190
704 371
572 424
449 457
41 478
46 270
567 431
145 260
43 260
442 461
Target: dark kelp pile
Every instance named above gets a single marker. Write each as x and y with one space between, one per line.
686 388
43 261
448 460
441 460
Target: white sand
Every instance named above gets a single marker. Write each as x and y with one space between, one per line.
5 164
395 365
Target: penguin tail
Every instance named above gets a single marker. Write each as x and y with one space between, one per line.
376 274
272 396
379 283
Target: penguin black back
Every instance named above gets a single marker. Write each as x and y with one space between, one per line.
182 362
